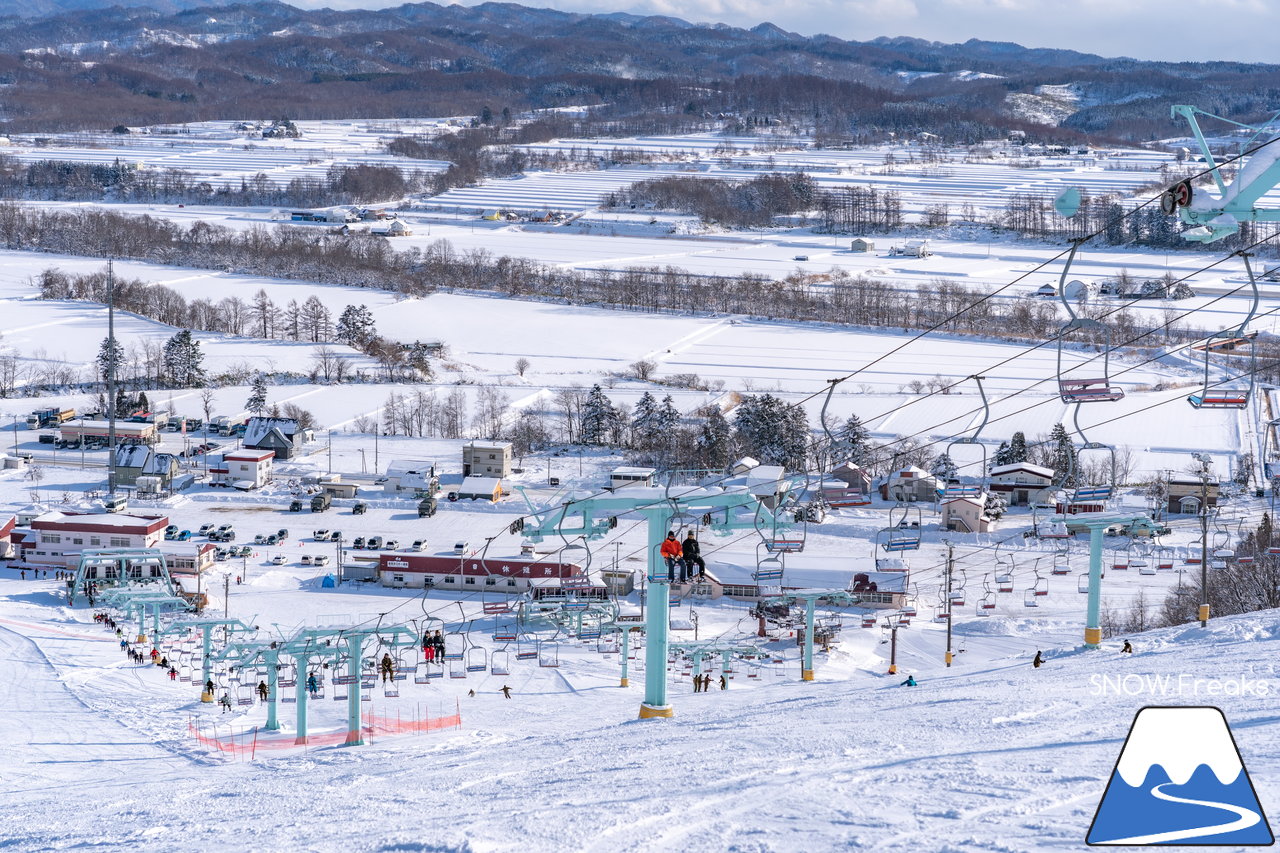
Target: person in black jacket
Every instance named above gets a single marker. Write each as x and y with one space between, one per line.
691 555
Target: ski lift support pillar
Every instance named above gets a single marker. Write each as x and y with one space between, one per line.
810 598
657 507
626 651
206 627
1098 524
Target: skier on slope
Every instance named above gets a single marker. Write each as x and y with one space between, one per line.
1038 660
910 682
1127 650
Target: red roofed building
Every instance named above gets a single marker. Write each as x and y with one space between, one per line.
56 539
499 574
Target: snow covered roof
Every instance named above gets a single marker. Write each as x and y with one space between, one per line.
1038 470
911 472
132 456
479 485
400 467
248 455
259 427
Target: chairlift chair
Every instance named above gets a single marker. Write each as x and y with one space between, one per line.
905 534
457 669
1234 392
455 645
868 621
477 659
526 650
960 489
1029 598
941 614
504 633
1082 582
1164 560
1090 387
548 654
769 568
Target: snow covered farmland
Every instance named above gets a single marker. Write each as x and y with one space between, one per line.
986 753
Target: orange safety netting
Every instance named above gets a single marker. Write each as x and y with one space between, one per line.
242 742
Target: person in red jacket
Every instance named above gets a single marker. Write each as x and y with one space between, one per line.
672 552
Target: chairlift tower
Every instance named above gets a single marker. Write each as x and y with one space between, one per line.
810 597
594 516
1097 524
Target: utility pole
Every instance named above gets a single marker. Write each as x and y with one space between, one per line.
330 451
893 649
226 596
111 379
1204 539
950 612
338 542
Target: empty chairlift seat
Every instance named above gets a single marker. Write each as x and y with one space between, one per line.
1097 390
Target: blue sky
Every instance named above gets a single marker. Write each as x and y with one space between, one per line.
1146 29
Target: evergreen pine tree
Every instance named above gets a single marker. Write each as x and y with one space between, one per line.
257 395
853 437
1062 454
996 505
772 431
715 440
182 360
1001 456
598 416
105 358
1017 448
943 468
355 327
644 423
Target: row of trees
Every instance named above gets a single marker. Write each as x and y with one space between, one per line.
126 182
357 260
740 204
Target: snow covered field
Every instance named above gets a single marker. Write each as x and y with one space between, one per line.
988 754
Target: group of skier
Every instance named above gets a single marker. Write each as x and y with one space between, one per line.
702 683
683 556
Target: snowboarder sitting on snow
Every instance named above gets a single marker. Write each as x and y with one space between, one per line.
1038 660
262 690
910 682
671 552
1127 650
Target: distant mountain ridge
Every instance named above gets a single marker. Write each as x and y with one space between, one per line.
74 63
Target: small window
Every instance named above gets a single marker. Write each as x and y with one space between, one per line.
448 579
397 578
51 538
94 540
119 542
77 541
471 581
511 581
490 581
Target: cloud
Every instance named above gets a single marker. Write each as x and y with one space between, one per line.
1175 30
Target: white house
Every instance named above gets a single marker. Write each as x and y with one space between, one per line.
480 488
910 484
486 459
56 539
410 475
1023 483
966 515
243 469
629 476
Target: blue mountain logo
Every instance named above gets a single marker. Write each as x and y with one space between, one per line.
1180 780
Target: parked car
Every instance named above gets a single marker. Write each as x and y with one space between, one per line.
461 546
391 545
320 560
360 508
282 534
321 502
278 560
336 536
358 542
373 543
306 559
295 505
272 539
205 528
182 535
245 551
418 545
320 535
221 554
260 539
171 531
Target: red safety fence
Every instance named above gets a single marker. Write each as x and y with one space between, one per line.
242 743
